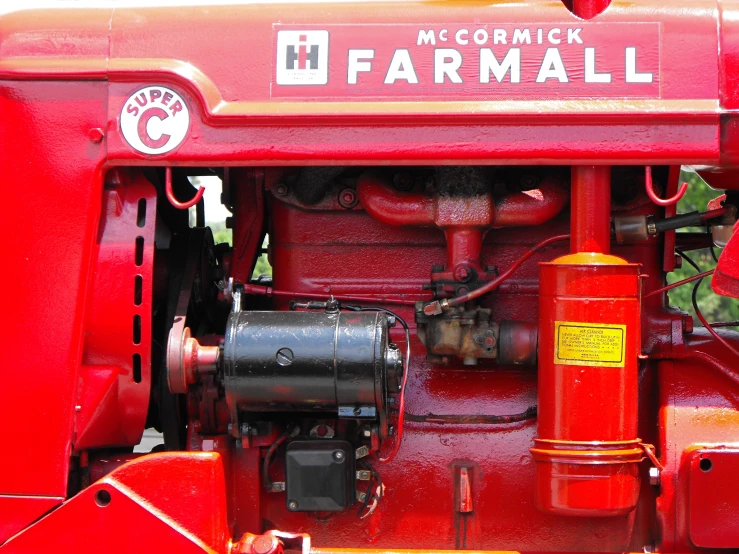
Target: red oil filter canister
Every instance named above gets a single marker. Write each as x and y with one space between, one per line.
587 452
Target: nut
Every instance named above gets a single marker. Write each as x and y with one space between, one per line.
96 135
654 476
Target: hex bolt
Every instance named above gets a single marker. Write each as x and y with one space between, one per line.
654 476
338 455
348 198
292 505
462 273
96 135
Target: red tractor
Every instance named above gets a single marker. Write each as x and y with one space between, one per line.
466 340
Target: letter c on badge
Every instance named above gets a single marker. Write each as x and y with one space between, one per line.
160 114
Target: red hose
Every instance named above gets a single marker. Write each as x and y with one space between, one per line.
170 193
486 288
269 291
680 283
653 196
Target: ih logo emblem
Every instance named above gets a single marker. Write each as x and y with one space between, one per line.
302 57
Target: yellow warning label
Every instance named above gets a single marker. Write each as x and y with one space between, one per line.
591 344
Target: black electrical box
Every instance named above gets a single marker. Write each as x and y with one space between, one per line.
319 476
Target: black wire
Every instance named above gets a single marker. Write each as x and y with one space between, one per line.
688 259
713 253
694 296
378 309
371 494
367 495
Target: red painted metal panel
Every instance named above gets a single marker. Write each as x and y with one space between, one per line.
20 511
115 377
171 500
53 181
147 46
714 498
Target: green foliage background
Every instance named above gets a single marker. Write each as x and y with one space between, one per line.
713 306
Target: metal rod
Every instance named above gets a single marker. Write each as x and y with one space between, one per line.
590 216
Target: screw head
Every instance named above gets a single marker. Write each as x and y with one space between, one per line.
284 356
293 505
281 189
338 455
367 433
